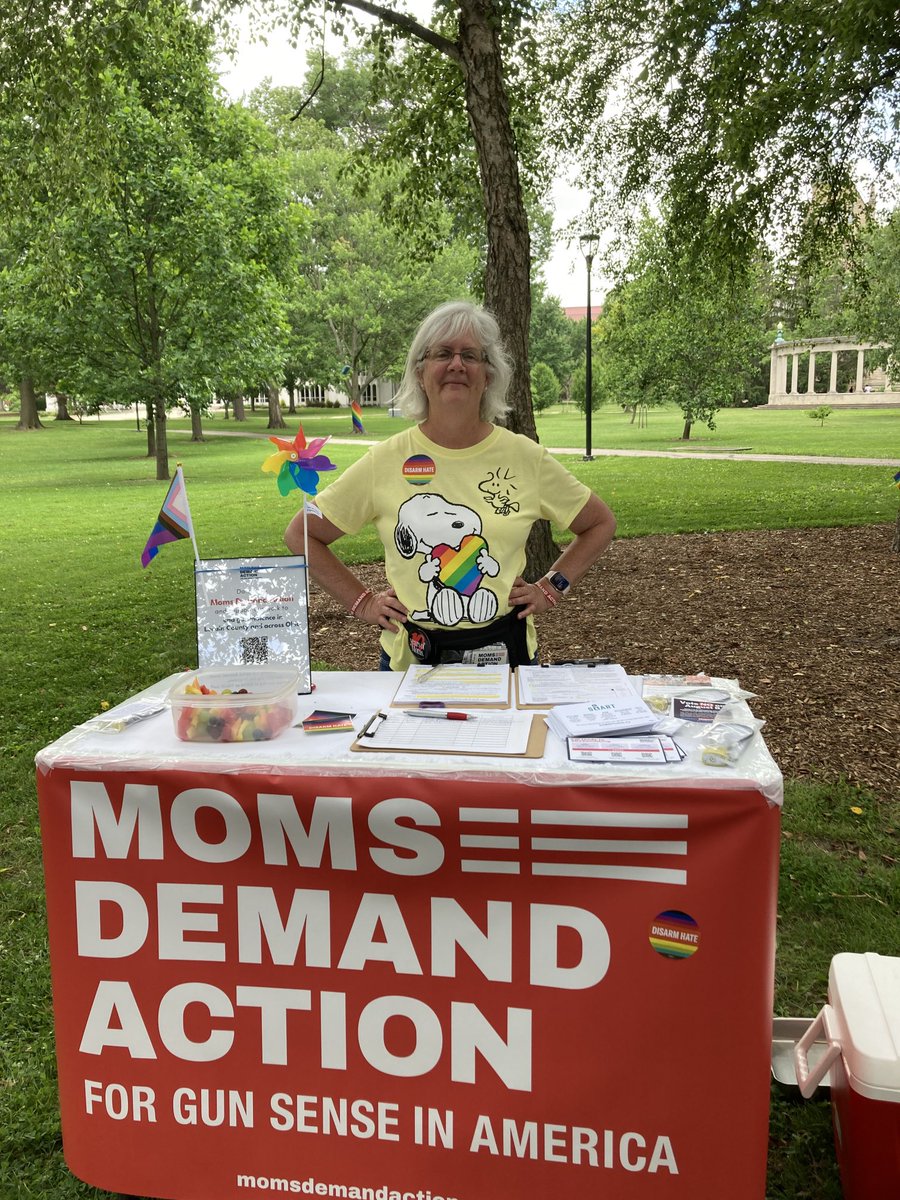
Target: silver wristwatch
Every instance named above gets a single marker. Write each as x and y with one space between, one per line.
558 580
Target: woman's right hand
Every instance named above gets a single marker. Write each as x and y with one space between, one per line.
383 609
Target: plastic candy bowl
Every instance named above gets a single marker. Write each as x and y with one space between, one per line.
234 704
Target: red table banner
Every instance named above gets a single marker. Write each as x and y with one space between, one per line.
410 989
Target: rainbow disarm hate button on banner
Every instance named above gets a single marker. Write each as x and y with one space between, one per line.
419 469
458 567
674 934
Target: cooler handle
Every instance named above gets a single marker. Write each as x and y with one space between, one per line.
808 1079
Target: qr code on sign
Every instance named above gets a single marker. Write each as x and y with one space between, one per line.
254 649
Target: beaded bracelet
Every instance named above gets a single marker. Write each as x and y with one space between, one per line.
360 599
553 600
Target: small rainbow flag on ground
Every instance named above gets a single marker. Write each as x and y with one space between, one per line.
356 409
174 520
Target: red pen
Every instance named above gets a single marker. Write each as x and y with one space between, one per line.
444 716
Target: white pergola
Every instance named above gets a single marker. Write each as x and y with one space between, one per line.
868 390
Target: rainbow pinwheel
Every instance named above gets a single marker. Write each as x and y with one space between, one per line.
297 464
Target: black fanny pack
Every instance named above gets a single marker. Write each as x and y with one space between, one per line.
433 646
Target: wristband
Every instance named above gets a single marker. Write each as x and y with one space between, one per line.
552 600
360 599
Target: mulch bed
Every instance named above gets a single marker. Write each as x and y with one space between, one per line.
808 619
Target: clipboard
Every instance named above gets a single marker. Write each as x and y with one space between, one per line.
434 686
568 671
427 738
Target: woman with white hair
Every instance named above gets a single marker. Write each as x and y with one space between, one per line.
453 499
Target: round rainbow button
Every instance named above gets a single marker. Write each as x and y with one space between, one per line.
419 469
674 934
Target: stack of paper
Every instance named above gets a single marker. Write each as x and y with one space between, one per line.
634 751
460 684
542 687
615 710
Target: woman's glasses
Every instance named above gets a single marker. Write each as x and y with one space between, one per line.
445 355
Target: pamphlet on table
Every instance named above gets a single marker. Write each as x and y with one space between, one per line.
610 711
632 750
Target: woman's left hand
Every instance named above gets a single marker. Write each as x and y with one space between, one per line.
530 597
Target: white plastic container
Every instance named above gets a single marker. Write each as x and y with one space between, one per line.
243 703
861 1023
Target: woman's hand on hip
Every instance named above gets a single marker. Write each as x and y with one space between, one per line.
383 609
531 598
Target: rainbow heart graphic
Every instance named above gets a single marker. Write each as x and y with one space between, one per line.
458 567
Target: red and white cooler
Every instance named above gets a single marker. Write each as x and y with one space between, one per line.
861 1023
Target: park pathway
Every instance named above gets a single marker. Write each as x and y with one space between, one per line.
733 455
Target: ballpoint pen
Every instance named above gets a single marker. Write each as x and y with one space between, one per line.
446 715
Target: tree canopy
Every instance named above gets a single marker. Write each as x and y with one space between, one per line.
744 110
461 119
181 223
153 265
356 288
679 331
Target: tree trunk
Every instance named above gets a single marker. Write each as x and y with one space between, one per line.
196 425
276 420
292 396
151 432
239 414
507 279
162 446
62 407
895 544
686 432
540 551
28 413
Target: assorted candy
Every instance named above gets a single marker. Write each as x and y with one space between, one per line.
196 688
252 721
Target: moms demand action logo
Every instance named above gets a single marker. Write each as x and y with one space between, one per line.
266 921
402 834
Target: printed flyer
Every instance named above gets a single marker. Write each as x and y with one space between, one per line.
253 611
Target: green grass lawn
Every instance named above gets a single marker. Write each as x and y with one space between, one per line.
84 625
855 433
850 433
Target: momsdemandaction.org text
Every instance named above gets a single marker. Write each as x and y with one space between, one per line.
313 1187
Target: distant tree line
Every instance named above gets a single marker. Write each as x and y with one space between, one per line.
159 245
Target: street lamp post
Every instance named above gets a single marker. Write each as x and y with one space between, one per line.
589 243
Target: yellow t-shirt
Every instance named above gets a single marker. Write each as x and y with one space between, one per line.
453 523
